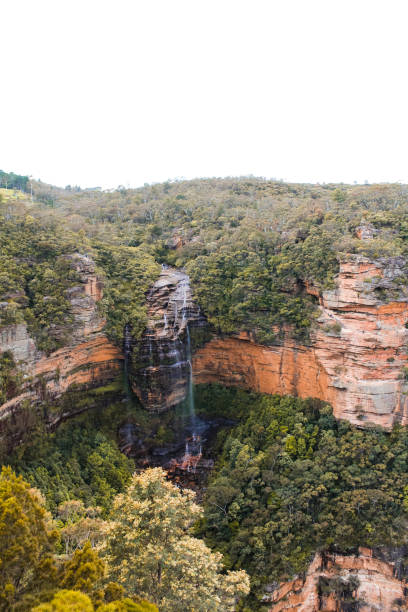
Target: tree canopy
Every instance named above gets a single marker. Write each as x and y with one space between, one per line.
149 552
292 481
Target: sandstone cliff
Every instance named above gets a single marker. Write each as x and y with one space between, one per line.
342 582
161 366
88 358
356 356
355 359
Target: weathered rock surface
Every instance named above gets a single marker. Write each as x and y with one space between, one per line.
356 356
161 367
88 358
378 589
355 360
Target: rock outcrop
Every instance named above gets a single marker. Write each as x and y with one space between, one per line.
355 360
161 367
342 582
356 356
88 358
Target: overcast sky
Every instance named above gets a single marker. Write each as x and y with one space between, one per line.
102 93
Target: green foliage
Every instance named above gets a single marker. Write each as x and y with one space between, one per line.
128 605
149 552
26 540
49 304
34 278
30 571
10 377
75 601
67 601
83 571
293 480
243 290
252 247
339 195
129 273
81 460
9 180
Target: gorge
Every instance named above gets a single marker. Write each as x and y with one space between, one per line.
354 360
180 334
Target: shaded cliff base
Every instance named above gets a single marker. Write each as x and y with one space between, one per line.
348 583
337 582
44 412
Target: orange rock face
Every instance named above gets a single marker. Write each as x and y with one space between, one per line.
355 360
377 587
90 357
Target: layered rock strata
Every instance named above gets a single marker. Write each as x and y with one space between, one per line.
88 358
342 582
357 353
161 366
355 360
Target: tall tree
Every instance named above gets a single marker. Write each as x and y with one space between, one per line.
26 538
149 552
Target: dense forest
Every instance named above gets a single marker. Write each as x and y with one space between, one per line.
9 180
292 480
85 531
289 480
78 527
250 246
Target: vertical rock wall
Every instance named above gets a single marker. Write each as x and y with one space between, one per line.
161 365
357 353
378 589
89 357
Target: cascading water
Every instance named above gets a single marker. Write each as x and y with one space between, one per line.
193 449
127 351
162 374
190 395
127 428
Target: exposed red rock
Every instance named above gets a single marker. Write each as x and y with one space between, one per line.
355 360
378 588
89 357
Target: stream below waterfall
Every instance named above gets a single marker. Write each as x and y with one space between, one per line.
165 383
187 457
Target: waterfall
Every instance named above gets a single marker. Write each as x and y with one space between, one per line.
184 285
190 395
166 376
175 316
127 351
163 373
150 352
127 341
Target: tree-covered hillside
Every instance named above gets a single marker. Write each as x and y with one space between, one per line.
250 245
37 271
291 480
10 180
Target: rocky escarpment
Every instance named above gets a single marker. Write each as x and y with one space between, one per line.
356 356
343 582
161 366
355 360
88 358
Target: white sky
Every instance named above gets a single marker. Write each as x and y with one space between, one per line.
97 92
